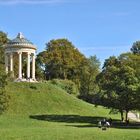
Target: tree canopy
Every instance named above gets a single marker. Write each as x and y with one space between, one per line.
119 84
3 40
3 97
60 60
89 87
136 47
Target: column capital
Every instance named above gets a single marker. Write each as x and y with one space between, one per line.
19 52
11 54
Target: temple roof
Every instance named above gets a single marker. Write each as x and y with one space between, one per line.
21 41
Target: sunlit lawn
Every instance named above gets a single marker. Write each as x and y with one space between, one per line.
59 127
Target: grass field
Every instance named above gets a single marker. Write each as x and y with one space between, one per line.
43 111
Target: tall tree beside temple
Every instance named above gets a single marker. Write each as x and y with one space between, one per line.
3 40
60 60
3 96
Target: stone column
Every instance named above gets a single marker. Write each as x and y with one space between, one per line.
28 65
33 66
11 62
20 66
6 63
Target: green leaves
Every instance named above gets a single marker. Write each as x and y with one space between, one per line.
60 60
3 77
120 83
3 38
4 98
136 47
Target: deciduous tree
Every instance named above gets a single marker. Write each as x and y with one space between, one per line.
3 96
119 85
60 60
89 87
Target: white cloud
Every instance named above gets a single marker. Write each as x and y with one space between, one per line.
105 48
14 2
114 14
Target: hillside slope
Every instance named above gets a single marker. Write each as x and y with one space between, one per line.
45 98
41 111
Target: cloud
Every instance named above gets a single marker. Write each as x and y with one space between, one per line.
105 48
15 2
117 14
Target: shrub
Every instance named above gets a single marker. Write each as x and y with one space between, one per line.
4 98
67 85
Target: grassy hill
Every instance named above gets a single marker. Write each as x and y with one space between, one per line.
45 98
42 111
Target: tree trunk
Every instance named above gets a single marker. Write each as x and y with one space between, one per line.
126 117
122 118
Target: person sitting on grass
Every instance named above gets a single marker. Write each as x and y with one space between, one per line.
103 124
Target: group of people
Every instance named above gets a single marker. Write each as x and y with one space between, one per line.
105 123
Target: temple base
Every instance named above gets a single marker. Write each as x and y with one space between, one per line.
25 80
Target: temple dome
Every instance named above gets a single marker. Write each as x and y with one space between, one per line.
21 41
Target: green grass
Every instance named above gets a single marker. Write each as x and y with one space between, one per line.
41 111
45 98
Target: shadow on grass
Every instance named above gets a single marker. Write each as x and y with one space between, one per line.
123 125
68 118
91 120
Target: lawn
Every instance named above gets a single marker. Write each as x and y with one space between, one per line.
59 127
46 112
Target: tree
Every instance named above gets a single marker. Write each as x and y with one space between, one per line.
41 65
3 41
133 60
119 85
136 47
89 87
3 38
3 96
60 60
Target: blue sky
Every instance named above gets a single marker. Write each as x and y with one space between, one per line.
96 27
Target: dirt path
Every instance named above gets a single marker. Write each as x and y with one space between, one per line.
133 116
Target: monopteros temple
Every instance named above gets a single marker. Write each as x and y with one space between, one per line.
20 59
